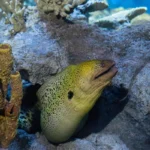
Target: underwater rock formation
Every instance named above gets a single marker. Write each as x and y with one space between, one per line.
119 18
9 110
93 5
42 50
13 11
54 44
82 11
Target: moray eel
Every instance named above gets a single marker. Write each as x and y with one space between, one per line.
66 98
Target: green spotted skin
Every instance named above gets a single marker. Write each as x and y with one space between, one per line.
65 99
53 105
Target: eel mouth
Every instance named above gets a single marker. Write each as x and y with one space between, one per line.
108 72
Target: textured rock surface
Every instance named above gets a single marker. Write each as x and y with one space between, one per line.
34 50
141 88
119 18
141 19
92 142
47 47
130 49
93 5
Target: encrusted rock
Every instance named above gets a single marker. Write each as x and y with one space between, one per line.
35 51
120 18
141 92
93 5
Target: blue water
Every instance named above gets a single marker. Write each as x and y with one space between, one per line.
29 2
129 3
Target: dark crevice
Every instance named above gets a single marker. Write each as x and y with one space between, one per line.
24 74
1 88
111 103
30 98
29 102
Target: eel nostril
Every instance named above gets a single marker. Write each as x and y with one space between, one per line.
102 64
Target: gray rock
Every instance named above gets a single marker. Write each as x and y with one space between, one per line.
93 5
93 142
34 50
77 16
108 142
129 47
141 92
101 142
120 18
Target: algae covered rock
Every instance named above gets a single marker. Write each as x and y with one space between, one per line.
120 18
93 5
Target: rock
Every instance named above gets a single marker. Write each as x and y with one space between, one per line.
23 141
120 18
77 16
93 5
130 49
78 144
92 142
100 142
96 15
33 48
141 92
108 142
141 19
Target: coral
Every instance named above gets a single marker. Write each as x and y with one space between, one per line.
13 11
59 7
9 110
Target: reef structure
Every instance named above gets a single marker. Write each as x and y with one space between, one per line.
9 110
60 7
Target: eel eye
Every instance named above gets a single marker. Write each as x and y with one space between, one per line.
70 95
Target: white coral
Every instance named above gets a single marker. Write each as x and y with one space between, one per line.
13 11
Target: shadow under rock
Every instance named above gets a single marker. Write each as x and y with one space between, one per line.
111 103
28 105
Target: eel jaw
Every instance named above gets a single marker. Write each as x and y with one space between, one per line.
107 73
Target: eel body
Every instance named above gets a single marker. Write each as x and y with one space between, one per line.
66 98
